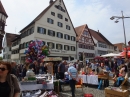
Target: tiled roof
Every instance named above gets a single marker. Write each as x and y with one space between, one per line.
17 37
39 16
9 37
79 31
120 46
96 35
2 10
105 39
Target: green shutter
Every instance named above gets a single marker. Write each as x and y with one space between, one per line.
56 46
44 31
48 20
38 29
48 32
61 47
61 35
53 46
64 36
68 37
53 33
57 34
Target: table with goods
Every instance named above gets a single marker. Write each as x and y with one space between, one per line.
41 85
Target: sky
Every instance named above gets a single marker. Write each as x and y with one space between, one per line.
95 13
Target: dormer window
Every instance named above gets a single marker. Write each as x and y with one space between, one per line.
60 16
52 13
50 21
67 27
66 19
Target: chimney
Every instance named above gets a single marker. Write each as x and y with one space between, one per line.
51 1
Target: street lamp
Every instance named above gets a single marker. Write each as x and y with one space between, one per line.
117 18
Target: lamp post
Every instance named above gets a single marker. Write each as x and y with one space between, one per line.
117 18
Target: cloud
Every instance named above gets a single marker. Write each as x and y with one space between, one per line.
95 13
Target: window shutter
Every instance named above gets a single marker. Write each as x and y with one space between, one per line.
61 46
64 47
53 45
44 31
48 20
57 34
53 33
61 25
68 48
38 29
52 21
48 43
64 36
56 46
68 37
48 32
61 35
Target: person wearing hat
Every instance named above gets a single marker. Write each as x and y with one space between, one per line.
73 74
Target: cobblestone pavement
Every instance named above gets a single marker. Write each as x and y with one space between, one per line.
89 89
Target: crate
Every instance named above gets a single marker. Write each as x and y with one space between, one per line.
113 93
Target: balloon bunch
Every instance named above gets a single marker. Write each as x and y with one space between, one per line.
37 50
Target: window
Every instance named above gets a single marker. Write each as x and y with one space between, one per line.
60 16
52 13
72 38
85 33
67 27
59 46
51 33
72 48
41 30
50 21
60 8
32 30
59 35
60 24
67 37
28 32
51 45
66 47
66 19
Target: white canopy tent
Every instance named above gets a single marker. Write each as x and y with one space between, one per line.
111 55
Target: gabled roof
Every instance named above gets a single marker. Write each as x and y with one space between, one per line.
9 37
97 36
2 10
120 46
104 38
43 12
39 16
17 37
79 30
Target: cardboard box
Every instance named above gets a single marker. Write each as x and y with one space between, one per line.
114 93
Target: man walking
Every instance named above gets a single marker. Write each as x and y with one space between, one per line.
72 78
61 69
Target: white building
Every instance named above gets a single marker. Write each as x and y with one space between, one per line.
85 43
7 46
53 26
103 46
15 49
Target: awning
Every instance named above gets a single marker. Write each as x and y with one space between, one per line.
52 59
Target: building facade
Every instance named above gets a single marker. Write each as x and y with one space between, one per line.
102 45
7 46
3 17
54 27
85 43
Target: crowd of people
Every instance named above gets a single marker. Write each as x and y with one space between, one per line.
67 72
